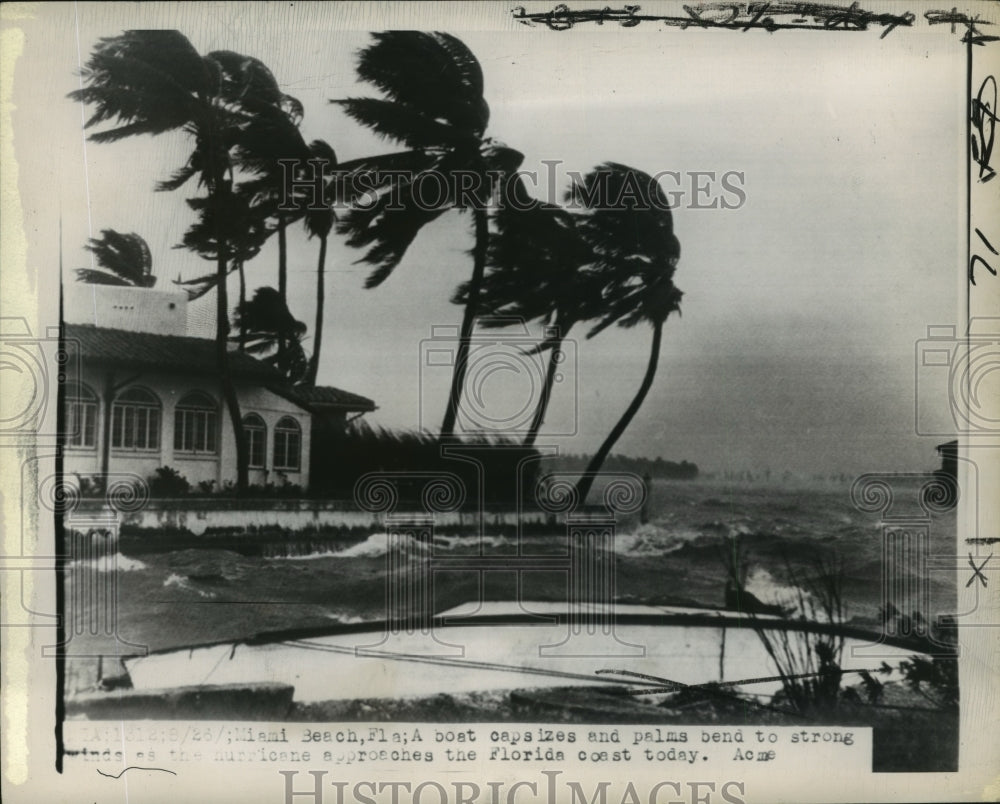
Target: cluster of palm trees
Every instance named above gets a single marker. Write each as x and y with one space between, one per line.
607 257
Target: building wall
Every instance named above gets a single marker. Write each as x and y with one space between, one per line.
169 389
162 312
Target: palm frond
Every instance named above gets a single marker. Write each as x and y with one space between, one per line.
402 124
127 256
432 72
95 277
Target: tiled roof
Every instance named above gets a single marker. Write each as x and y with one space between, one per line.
143 350
327 397
166 352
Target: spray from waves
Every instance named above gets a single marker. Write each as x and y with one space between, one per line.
343 617
118 563
766 588
467 541
654 540
377 544
182 582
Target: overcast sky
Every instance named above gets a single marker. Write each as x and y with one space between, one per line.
801 308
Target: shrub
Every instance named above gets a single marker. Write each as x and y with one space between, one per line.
936 676
168 482
89 486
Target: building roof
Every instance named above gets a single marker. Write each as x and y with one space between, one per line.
182 353
326 398
165 352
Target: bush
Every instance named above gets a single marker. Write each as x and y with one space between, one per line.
89 486
341 457
168 482
808 663
936 676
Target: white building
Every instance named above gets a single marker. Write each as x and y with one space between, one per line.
157 389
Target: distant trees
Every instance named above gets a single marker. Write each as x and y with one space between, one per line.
656 468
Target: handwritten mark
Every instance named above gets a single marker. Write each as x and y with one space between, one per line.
953 18
976 257
984 118
977 572
133 767
768 16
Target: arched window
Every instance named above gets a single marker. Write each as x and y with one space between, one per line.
287 444
196 424
135 420
81 418
256 430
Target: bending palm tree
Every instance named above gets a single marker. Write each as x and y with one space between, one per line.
152 82
536 263
122 259
635 254
433 105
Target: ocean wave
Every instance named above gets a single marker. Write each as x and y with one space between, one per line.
118 562
343 618
768 589
652 540
377 544
183 582
465 541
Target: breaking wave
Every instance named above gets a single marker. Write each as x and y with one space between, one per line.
119 562
183 582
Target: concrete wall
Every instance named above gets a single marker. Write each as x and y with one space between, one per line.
290 515
170 389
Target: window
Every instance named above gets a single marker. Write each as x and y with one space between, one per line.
256 431
287 444
81 419
135 420
196 424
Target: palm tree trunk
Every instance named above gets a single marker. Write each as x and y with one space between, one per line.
318 328
222 350
482 228
543 400
106 403
587 480
282 284
243 301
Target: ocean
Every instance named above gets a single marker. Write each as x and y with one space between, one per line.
178 597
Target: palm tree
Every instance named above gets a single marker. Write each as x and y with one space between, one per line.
628 225
272 138
264 322
433 105
536 271
122 259
319 223
242 227
153 82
